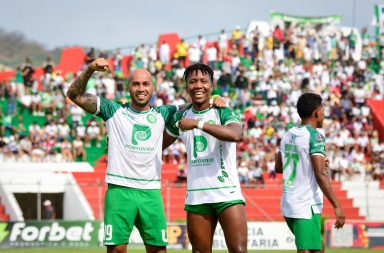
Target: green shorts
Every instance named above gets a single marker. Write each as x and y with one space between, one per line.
307 232
212 208
125 207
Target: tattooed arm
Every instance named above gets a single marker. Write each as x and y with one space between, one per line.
76 91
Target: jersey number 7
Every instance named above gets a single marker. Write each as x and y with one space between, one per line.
295 159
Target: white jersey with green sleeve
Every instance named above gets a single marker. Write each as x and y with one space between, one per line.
301 193
134 143
212 171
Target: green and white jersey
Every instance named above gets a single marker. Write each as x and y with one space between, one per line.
134 143
301 193
212 171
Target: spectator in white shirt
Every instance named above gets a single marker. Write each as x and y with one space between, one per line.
223 45
164 52
212 56
93 134
194 54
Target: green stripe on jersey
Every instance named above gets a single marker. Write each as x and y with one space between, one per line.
208 189
136 179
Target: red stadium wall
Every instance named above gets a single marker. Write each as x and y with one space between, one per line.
7 75
377 110
71 60
171 39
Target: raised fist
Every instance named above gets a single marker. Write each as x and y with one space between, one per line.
100 64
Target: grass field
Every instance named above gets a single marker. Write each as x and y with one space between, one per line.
77 250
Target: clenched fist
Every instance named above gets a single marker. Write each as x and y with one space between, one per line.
100 64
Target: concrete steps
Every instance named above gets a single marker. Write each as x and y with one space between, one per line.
368 197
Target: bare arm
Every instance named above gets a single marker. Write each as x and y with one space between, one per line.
231 132
279 163
168 140
76 91
318 163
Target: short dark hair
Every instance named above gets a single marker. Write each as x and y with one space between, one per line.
307 104
205 69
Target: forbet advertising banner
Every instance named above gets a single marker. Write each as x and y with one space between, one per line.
29 234
356 234
50 234
73 234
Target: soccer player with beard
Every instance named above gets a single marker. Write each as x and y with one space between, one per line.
135 133
213 188
135 136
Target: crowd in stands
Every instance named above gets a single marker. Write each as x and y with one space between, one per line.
42 125
260 75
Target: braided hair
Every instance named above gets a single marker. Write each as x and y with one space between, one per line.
205 69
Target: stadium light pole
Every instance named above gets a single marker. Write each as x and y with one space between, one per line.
354 13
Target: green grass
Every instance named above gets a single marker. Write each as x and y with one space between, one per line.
61 250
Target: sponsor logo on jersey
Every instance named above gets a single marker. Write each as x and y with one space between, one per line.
202 161
140 133
200 144
224 174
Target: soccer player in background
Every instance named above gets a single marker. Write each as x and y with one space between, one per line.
301 160
213 188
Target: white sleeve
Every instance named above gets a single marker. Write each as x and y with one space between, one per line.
97 106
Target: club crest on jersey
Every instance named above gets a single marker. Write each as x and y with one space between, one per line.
140 133
319 137
151 118
200 144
